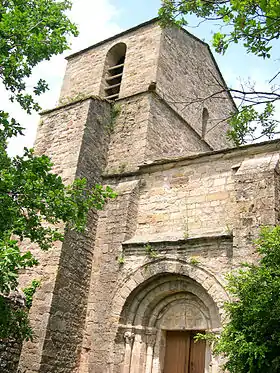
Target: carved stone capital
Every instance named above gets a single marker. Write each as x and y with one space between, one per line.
151 339
128 337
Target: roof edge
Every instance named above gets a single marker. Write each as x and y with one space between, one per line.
250 149
149 22
146 23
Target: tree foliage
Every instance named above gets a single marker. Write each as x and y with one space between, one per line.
31 31
255 24
251 339
33 200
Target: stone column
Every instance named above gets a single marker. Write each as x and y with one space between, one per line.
151 340
129 339
136 353
157 355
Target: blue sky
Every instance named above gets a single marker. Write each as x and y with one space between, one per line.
134 12
236 63
99 19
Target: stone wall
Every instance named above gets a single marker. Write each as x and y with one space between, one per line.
196 199
129 134
165 140
187 74
60 135
173 217
76 136
115 225
9 356
141 133
256 201
85 70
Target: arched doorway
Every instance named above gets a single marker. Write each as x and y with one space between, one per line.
157 326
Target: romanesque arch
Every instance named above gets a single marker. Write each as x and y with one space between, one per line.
159 297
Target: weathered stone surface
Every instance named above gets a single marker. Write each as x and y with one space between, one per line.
142 133
78 137
84 72
9 356
185 214
188 79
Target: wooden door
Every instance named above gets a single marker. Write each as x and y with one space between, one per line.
197 356
177 352
182 354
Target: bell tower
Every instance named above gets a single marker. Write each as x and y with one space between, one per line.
163 84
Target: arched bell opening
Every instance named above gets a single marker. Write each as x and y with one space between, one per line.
113 71
165 307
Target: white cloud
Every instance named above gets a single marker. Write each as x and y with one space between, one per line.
95 20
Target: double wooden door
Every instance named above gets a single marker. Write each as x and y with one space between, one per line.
183 354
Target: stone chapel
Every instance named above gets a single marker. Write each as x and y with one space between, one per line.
140 112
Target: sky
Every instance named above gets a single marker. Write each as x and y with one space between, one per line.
100 19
